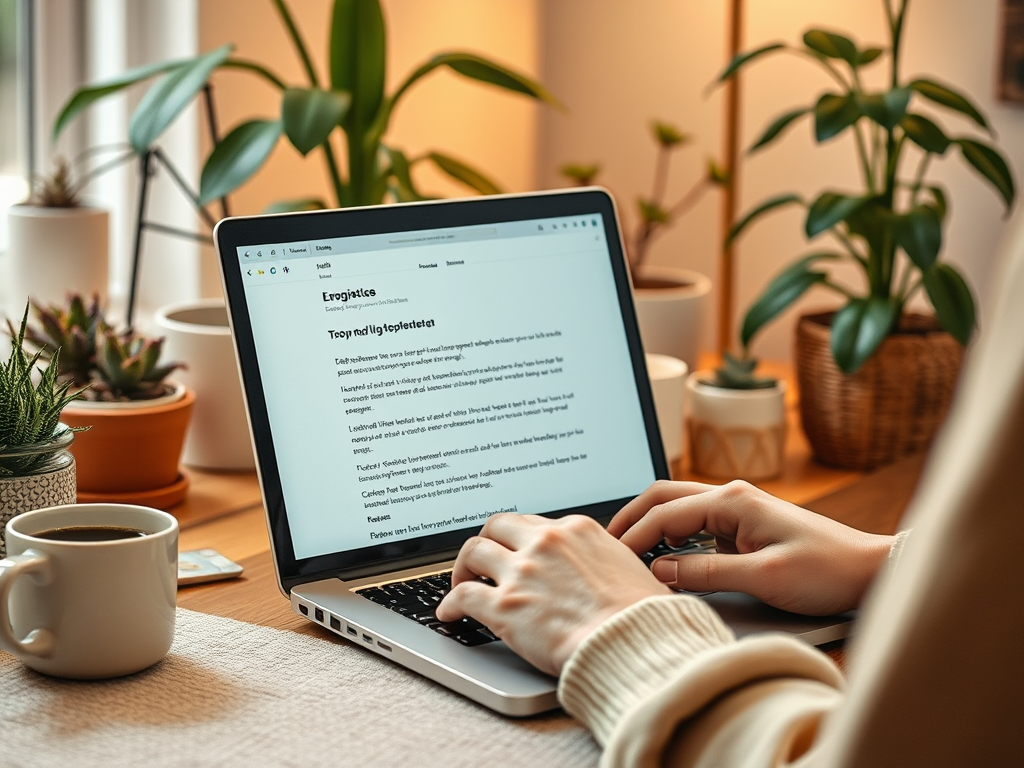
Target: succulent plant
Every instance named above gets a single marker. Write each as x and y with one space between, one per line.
112 365
738 373
72 330
29 411
56 190
127 366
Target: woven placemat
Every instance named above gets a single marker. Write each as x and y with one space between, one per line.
231 693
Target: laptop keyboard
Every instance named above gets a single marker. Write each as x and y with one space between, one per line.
417 598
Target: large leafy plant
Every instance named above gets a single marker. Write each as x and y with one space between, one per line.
350 100
892 228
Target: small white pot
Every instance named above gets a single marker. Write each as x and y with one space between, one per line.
671 318
735 433
668 386
197 334
56 250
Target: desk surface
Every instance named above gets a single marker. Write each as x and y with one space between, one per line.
224 511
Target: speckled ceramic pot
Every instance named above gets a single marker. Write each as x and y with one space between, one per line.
48 484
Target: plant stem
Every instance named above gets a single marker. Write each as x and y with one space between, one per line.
865 160
828 67
848 244
838 289
660 175
300 47
919 176
258 69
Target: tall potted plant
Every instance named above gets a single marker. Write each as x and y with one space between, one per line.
36 469
670 301
875 380
57 243
138 418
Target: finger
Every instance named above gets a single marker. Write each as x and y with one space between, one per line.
469 598
708 573
683 517
661 492
511 530
480 557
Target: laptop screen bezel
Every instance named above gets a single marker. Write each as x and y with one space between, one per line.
232 233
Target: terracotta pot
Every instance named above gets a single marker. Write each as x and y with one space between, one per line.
131 452
670 308
891 407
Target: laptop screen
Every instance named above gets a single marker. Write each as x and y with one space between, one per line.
416 381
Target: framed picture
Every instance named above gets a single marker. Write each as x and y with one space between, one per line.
1011 64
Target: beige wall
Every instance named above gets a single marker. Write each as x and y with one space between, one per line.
618 65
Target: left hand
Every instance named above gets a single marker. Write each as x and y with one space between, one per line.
554 582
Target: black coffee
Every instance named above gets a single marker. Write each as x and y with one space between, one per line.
90 533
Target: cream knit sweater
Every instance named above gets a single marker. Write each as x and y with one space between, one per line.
936 668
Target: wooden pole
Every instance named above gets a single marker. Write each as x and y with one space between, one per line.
730 152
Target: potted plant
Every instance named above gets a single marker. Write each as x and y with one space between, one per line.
36 469
736 421
138 418
875 379
57 243
670 301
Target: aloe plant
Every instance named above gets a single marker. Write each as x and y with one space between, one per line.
351 99
30 411
128 366
892 228
72 331
654 214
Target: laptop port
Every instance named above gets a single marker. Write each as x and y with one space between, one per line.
319 614
304 609
367 639
351 630
384 647
335 624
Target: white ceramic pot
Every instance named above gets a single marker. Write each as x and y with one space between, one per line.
735 433
197 334
56 250
668 386
671 317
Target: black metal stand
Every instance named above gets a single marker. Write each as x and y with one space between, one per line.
148 161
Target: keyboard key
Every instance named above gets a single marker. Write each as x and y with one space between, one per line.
474 638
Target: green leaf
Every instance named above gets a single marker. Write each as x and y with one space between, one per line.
829 209
169 97
947 97
833 114
357 59
787 287
651 212
926 134
777 127
868 55
237 157
859 328
939 196
990 164
85 97
485 71
954 305
887 108
768 205
308 115
872 221
668 135
582 174
919 233
743 59
832 46
291 206
462 172
404 188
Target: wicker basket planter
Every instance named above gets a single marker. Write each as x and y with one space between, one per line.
891 407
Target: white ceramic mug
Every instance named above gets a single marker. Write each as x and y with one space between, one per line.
89 609
668 379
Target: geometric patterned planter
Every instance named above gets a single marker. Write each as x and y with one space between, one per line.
48 489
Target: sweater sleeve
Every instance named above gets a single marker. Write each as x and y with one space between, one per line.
667 661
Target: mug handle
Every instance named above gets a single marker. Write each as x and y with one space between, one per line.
38 642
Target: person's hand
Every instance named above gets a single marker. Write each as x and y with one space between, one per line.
552 583
778 552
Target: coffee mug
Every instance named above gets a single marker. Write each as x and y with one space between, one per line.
88 590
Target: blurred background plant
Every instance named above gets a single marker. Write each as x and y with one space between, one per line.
654 214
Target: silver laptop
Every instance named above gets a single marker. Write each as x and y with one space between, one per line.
410 370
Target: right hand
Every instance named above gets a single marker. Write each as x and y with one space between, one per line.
787 556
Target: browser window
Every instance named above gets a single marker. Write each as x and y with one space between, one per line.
419 382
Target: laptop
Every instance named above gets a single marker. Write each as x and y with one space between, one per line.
410 370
